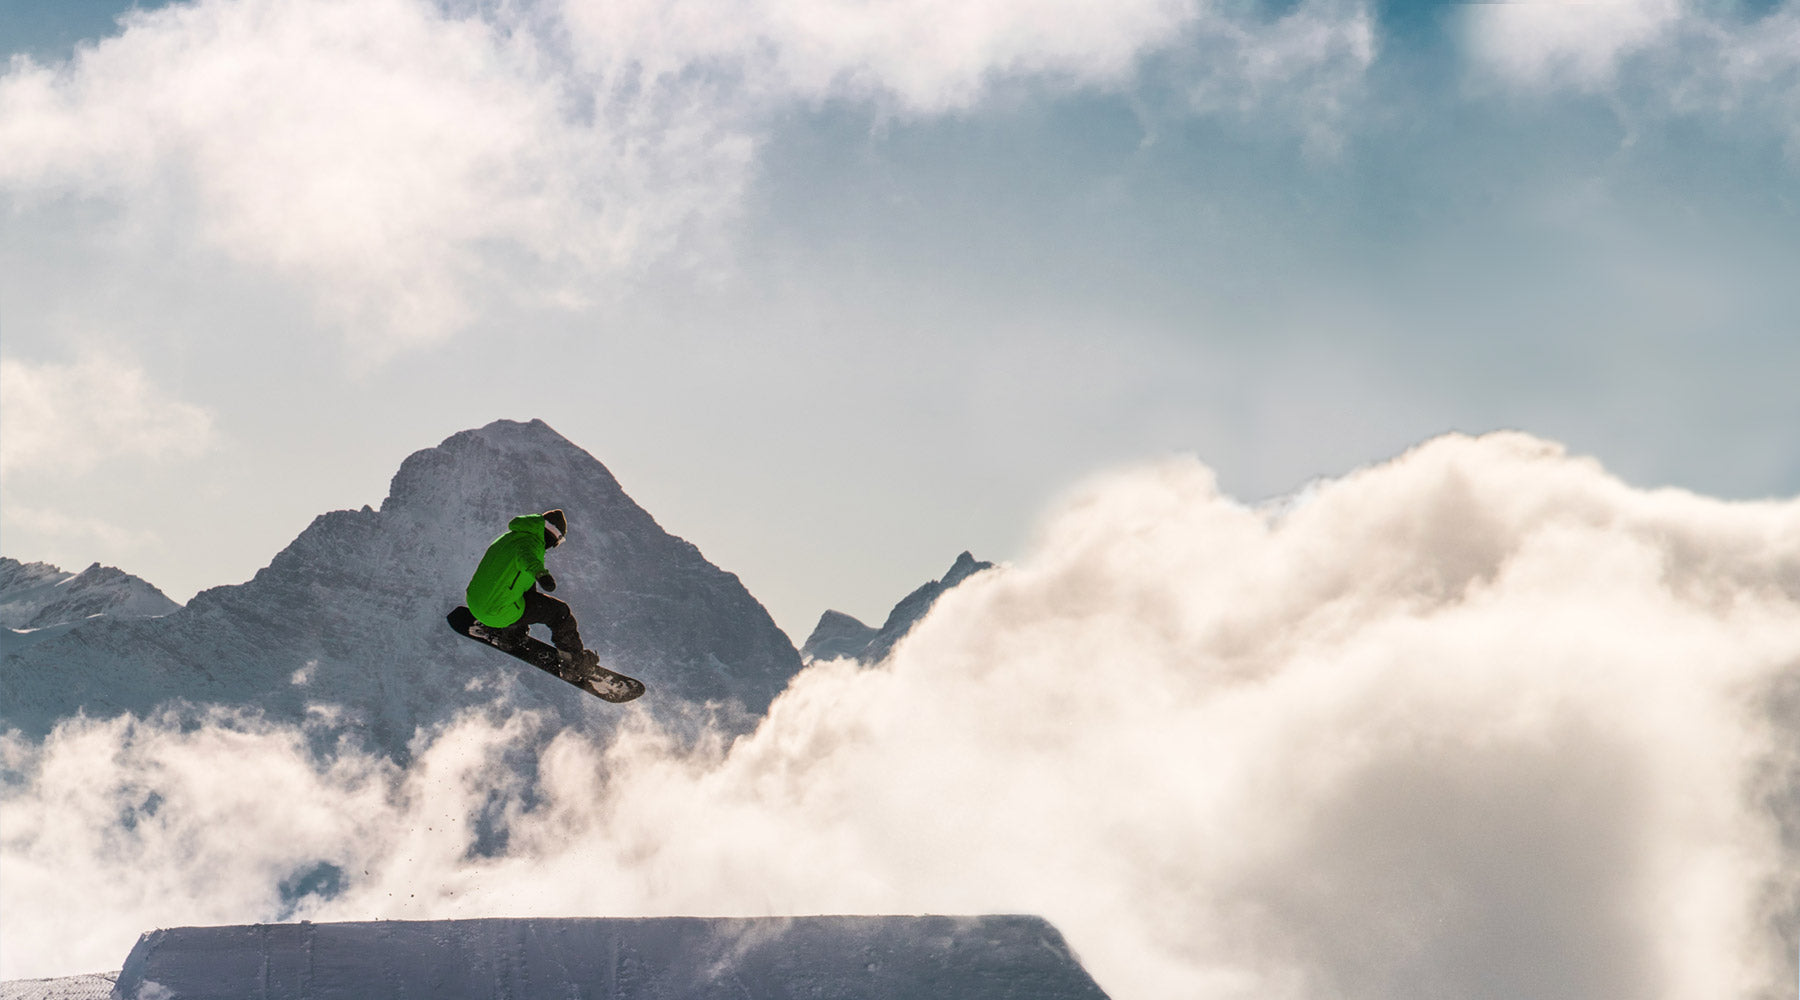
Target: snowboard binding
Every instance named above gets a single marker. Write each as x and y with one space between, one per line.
583 671
577 667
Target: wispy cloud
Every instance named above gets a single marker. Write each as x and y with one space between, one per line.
923 56
1481 721
368 151
67 419
404 161
1550 44
1665 56
1306 69
73 531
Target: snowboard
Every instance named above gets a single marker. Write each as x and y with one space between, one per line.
604 684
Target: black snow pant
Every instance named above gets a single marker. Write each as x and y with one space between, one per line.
542 609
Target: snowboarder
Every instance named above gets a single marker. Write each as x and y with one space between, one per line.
504 596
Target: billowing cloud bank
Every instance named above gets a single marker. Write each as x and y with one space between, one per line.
1479 722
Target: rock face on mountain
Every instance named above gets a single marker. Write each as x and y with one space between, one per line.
839 635
352 612
653 958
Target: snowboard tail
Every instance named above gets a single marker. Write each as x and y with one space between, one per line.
607 685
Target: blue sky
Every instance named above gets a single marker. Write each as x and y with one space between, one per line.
840 291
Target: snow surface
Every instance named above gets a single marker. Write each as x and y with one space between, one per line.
93 986
665 958
351 614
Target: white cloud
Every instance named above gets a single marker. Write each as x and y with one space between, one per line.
1754 67
213 820
1307 67
406 161
925 55
1566 43
67 419
1670 56
373 151
1479 722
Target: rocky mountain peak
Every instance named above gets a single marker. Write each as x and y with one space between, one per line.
966 565
838 635
38 595
505 464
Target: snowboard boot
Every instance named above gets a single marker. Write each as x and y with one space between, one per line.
577 666
509 638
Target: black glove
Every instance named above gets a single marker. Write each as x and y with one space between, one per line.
547 582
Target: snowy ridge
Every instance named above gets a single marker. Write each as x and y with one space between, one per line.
838 635
93 986
39 601
769 958
25 588
351 613
38 595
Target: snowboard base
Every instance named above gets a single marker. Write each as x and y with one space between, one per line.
602 683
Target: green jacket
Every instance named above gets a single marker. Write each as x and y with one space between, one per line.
512 565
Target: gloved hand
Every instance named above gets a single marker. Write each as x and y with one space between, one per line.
547 582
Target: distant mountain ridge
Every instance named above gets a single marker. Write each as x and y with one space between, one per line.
39 602
842 636
38 595
351 612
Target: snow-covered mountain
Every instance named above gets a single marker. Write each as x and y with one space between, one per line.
351 613
39 601
767 958
39 595
838 635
